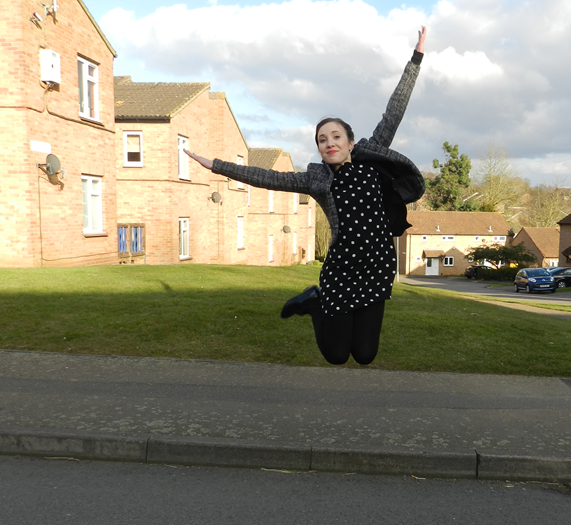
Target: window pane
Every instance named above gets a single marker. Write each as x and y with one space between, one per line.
85 200
91 98
81 87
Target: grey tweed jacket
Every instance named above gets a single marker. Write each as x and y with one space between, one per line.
401 180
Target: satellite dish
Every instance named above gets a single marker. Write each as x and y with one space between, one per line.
286 229
53 165
216 197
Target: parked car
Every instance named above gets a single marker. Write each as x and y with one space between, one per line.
472 271
562 276
534 280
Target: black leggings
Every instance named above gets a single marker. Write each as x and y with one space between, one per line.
356 333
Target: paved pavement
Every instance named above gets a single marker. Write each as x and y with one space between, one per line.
288 418
485 291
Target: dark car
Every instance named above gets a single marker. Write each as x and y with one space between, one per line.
562 276
534 280
472 271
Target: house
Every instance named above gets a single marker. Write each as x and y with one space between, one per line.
287 220
57 203
541 242
565 241
173 211
438 241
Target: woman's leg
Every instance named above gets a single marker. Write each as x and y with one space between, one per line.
333 335
367 324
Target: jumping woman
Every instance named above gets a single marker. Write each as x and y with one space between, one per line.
363 188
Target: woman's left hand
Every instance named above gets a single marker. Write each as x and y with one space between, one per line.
421 36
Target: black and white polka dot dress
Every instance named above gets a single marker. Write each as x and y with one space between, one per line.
360 266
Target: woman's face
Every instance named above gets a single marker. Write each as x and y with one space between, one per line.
334 145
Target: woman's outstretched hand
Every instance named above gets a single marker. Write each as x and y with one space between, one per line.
205 163
421 36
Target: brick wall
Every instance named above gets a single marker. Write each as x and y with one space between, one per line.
42 224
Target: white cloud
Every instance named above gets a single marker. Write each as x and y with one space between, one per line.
495 70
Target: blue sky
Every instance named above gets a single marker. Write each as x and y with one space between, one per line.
494 75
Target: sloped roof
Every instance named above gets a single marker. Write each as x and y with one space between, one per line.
98 29
546 240
153 100
565 220
265 158
456 223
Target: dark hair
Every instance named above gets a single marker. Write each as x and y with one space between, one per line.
350 134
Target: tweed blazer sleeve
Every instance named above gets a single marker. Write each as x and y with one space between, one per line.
297 182
396 107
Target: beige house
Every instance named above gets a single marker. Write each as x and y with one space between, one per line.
565 241
438 241
541 242
288 219
171 210
57 135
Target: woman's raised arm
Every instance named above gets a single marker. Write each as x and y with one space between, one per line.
205 163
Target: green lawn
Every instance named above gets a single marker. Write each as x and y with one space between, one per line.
232 313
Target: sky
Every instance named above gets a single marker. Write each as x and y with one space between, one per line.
495 72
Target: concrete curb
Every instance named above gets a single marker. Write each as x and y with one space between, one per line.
220 452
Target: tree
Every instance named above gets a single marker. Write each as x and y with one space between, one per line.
445 191
547 206
497 183
322 234
496 254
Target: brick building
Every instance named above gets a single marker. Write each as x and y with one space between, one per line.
56 88
438 241
541 242
565 241
178 212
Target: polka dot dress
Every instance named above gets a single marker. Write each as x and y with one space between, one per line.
360 266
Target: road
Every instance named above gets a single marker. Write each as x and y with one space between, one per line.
482 288
50 492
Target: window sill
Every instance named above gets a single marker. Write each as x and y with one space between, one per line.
89 119
138 165
185 258
241 249
95 234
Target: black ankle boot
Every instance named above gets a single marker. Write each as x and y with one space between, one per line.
302 304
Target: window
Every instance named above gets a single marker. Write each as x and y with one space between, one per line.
448 238
477 238
240 233
295 243
448 261
271 207
182 158
500 238
183 239
88 81
271 248
133 149
425 237
295 201
92 204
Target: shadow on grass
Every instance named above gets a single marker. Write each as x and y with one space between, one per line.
232 313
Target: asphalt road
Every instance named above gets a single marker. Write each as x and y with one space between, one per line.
486 289
50 492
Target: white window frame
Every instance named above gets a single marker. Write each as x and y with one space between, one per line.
448 261
183 171
183 238
126 162
85 81
500 238
240 232
271 201
271 248
424 238
477 238
448 238
92 199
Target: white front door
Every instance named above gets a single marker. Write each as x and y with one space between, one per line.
432 265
